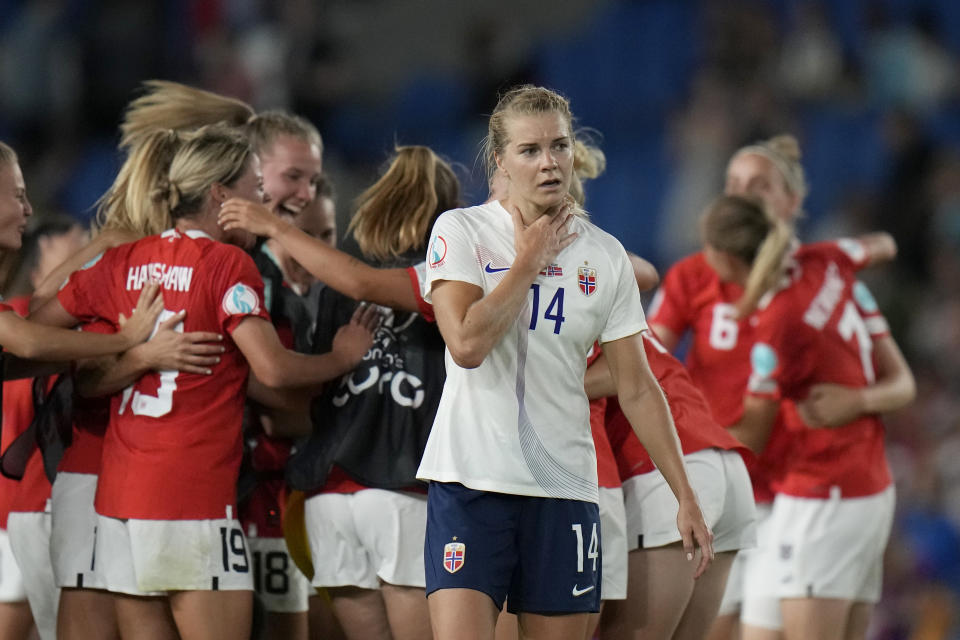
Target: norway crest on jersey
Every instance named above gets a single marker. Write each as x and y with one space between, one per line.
453 556
587 280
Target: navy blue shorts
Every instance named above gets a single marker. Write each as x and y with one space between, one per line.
541 554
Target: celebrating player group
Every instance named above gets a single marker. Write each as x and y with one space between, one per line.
223 427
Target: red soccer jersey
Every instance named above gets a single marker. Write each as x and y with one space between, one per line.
693 297
718 360
90 418
173 448
17 414
607 475
416 273
33 489
695 425
30 493
811 332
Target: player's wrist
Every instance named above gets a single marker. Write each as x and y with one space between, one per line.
862 401
278 228
138 357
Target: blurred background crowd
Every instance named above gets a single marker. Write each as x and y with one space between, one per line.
670 89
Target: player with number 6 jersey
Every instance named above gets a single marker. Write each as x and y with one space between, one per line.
834 508
694 298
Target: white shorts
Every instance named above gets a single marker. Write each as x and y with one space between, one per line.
358 539
151 557
74 522
11 580
832 548
613 543
30 540
760 606
733 592
722 485
748 588
278 581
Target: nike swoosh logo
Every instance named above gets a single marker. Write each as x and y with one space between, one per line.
492 269
579 592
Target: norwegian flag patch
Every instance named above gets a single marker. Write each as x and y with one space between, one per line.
453 556
587 280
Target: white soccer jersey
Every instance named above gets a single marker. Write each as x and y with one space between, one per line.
520 422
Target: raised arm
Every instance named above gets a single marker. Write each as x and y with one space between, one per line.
336 269
276 366
880 247
645 406
471 323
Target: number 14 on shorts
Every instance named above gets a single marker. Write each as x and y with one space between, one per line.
592 550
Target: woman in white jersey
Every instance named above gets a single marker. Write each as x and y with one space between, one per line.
512 508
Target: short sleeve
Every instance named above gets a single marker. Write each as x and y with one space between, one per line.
780 353
669 307
626 312
82 294
851 251
418 274
239 290
870 311
451 254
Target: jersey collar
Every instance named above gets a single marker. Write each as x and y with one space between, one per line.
190 233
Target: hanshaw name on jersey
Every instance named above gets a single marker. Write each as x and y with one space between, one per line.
175 278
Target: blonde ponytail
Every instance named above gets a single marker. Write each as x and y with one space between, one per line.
171 105
395 214
741 227
767 268
139 199
589 162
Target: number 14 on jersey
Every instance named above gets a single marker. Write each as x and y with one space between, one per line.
554 310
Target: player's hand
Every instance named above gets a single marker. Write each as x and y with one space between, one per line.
354 339
239 213
695 533
538 244
831 405
173 350
140 325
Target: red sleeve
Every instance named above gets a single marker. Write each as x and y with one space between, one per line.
670 306
850 254
782 353
416 282
19 306
870 311
239 288
83 294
